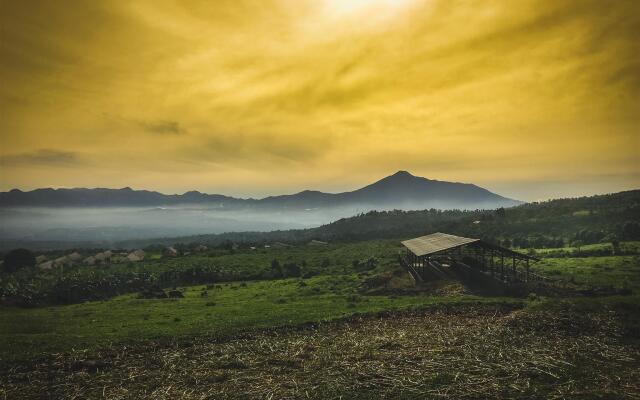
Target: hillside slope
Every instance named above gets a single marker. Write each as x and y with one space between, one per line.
546 224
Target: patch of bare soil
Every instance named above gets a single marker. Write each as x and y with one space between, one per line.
471 351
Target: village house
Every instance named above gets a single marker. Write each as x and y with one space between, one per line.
74 257
170 252
46 265
103 257
63 261
136 255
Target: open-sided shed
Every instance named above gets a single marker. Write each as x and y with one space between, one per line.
424 252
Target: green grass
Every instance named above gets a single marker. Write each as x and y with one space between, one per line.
631 246
31 286
615 271
338 256
231 308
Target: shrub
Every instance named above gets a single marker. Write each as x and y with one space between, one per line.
18 258
292 270
276 269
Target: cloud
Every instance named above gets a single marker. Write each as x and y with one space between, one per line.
162 127
258 149
47 157
480 90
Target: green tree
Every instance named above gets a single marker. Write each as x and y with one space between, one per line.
18 258
276 269
292 270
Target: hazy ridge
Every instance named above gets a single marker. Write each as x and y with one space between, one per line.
400 190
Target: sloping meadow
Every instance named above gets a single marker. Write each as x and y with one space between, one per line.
452 351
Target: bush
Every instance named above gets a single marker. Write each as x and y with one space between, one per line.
18 258
292 270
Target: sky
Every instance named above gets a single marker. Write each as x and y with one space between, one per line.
532 99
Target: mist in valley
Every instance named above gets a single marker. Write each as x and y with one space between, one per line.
110 224
122 223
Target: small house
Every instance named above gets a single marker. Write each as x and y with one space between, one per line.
136 255
103 257
170 252
46 265
62 262
201 248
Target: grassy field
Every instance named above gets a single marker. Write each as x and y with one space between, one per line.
231 307
622 272
630 246
216 316
34 287
227 309
557 350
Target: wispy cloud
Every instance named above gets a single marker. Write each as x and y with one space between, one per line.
46 157
480 90
162 127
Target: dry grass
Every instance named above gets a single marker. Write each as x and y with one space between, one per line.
472 351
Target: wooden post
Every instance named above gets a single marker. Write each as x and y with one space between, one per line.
491 263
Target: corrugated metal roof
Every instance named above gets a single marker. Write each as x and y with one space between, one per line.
435 242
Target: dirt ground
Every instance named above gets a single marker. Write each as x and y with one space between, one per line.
464 351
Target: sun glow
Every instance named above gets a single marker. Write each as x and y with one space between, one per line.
256 97
345 8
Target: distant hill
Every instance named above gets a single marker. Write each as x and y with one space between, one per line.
101 197
398 191
552 223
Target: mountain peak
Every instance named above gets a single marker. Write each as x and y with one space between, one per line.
400 190
403 173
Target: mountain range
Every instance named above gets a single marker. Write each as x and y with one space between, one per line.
401 190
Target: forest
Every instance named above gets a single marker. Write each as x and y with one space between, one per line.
554 223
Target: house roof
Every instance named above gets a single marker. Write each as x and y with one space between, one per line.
436 242
429 244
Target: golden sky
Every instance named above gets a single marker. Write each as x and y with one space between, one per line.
529 98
